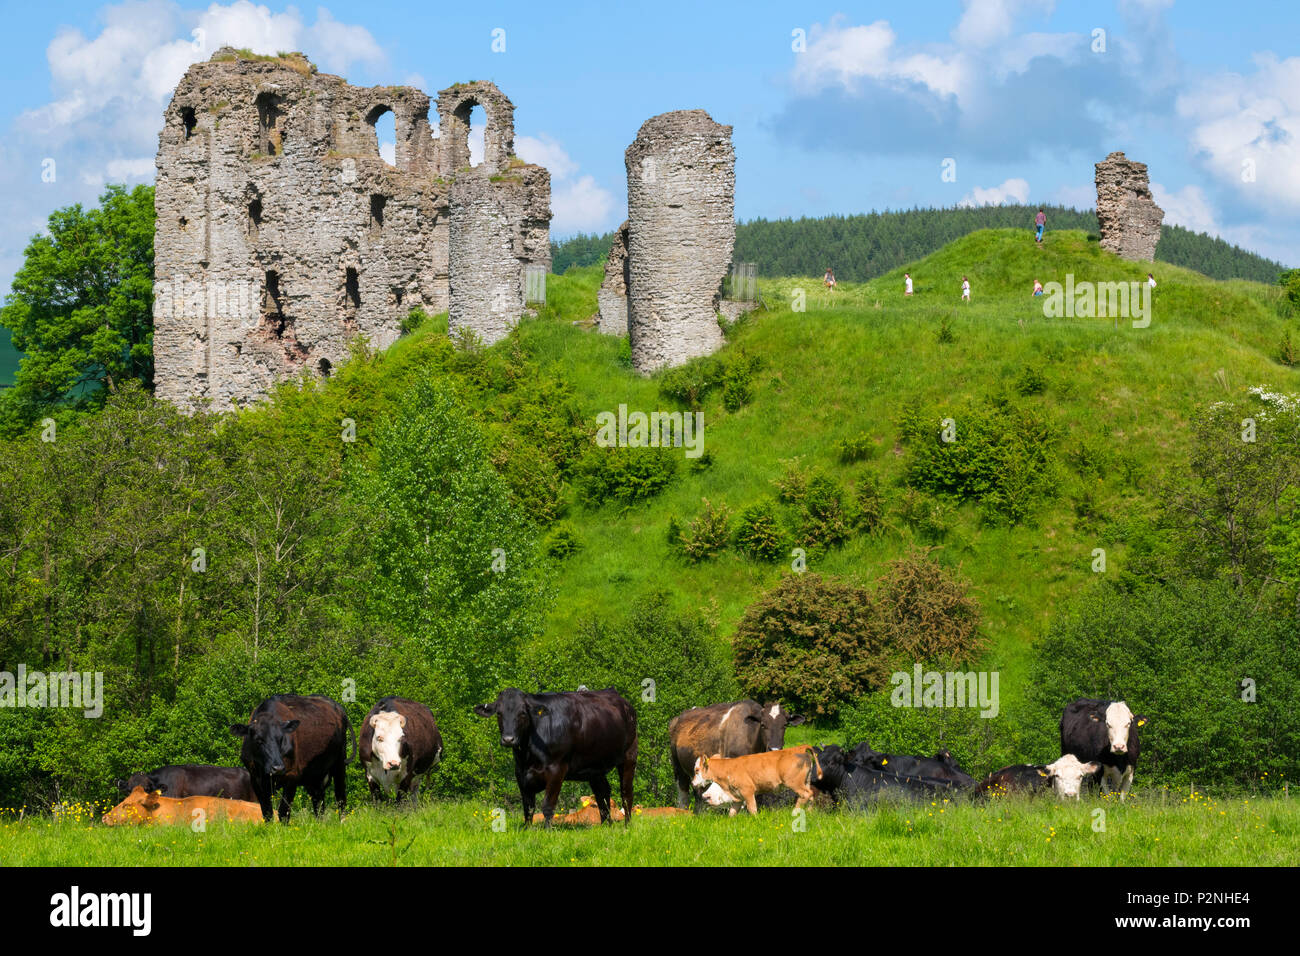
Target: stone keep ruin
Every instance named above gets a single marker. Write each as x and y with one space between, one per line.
1127 214
282 234
669 260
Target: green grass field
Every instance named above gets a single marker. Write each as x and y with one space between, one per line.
1154 828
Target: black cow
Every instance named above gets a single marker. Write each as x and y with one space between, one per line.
1030 778
574 735
941 766
193 780
293 741
843 778
732 729
1105 731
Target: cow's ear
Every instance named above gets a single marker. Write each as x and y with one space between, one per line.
374 720
239 730
401 720
290 726
796 720
1141 721
1093 717
540 710
485 710
753 718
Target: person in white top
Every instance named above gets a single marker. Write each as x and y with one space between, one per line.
965 289
830 279
1151 280
907 283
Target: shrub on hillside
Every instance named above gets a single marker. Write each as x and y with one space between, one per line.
869 513
1000 455
706 537
1217 680
758 532
928 611
812 641
857 448
625 474
823 520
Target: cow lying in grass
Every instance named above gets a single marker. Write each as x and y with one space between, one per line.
142 807
588 814
1064 776
739 779
844 778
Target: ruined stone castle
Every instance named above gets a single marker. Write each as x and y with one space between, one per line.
1127 215
282 234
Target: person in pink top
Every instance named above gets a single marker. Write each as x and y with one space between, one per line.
1041 222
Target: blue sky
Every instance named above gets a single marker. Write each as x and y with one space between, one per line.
856 112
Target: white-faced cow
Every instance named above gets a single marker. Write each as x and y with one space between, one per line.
723 730
1067 773
1105 731
399 744
293 741
574 735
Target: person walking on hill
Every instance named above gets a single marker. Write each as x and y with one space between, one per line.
1038 287
965 289
1041 222
907 283
830 278
1151 281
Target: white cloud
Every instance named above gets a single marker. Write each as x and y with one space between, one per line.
1188 207
1243 124
844 56
986 22
578 203
1012 190
545 151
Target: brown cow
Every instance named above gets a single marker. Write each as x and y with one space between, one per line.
144 808
291 742
589 815
399 743
729 779
726 730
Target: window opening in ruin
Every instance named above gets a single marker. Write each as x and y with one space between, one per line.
398 296
272 311
325 367
271 116
352 287
384 123
377 203
254 216
189 120
183 222
477 131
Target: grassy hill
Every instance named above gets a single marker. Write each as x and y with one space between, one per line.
861 358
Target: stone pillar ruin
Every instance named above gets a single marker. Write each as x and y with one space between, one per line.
612 297
497 222
681 185
1127 215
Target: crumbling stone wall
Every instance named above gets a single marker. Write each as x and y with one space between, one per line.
282 234
612 297
491 243
1129 218
681 184
454 107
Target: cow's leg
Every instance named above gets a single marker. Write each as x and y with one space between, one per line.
554 781
1125 782
286 801
751 804
376 791
627 778
684 788
316 792
412 789
600 788
341 784
528 793
262 790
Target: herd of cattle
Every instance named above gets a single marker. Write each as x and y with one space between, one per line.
727 753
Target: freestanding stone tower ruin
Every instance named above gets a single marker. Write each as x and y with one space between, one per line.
612 297
282 233
681 186
1128 216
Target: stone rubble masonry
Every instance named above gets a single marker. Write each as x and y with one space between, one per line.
612 297
1128 216
496 223
681 185
282 234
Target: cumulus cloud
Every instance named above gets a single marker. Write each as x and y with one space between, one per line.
1011 191
1245 130
1188 207
578 203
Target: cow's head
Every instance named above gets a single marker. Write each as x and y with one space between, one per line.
864 756
138 807
715 796
270 740
1119 720
1066 775
944 757
514 714
701 776
772 721
831 760
390 734
125 786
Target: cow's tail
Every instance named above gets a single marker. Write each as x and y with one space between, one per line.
347 725
815 767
